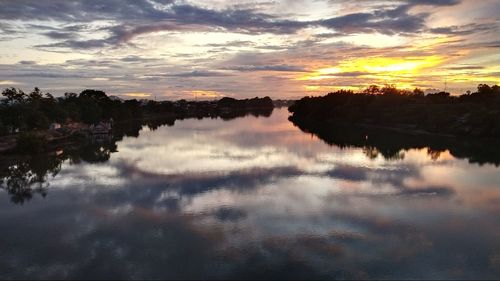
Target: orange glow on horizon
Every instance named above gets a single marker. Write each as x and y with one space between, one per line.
399 71
206 94
375 66
138 95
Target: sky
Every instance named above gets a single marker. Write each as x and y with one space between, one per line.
197 49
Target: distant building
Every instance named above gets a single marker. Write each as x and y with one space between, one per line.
101 128
54 126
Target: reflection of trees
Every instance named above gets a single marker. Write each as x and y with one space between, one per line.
391 145
22 177
25 178
434 154
96 153
371 152
257 112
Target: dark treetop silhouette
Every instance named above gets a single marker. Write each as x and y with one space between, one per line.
471 114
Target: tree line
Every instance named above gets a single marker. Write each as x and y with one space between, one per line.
472 114
20 111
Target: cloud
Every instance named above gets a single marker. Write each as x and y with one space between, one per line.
390 21
397 178
230 214
465 29
58 35
38 74
434 2
254 42
198 73
134 18
6 29
140 17
283 67
80 11
77 44
438 191
235 43
137 59
27 62
466 67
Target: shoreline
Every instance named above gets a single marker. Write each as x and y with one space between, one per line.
8 143
402 128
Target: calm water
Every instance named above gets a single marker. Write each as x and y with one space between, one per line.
248 198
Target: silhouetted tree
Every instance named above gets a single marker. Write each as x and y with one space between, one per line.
476 114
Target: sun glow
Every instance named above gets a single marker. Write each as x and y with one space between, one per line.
138 95
330 70
397 65
9 82
312 87
380 70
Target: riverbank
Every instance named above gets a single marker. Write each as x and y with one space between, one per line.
32 114
75 133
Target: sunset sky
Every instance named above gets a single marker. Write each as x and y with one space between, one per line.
172 49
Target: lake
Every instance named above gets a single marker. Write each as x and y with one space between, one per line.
251 197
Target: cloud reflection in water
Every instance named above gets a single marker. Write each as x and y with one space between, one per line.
256 198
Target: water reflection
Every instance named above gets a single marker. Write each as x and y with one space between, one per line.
391 144
23 177
254 198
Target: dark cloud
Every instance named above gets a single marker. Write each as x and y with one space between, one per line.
397 178
80 11
230 214
137 59
27 62
329 35
466 67
50 75
58 35
440 191
434 2
386 21
464 29
350 173
134 18
139 17
383 21
76 44
90 63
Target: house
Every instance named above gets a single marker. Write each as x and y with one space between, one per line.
101 128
